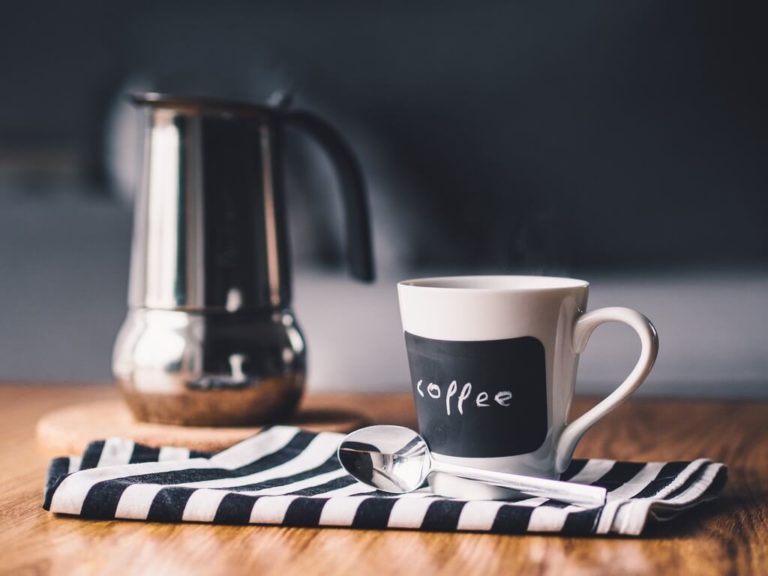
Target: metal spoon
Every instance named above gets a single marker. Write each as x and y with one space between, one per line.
397 460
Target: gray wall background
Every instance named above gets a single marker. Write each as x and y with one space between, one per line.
620 142
65 265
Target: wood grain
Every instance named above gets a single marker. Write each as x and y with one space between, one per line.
727 536
68 430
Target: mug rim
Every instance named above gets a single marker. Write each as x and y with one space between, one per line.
499 283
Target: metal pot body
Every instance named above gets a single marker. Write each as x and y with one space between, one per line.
210 337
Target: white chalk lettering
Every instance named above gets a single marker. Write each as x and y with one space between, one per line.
458 397
502 398
451 392
465 392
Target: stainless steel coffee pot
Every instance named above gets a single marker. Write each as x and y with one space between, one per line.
210 337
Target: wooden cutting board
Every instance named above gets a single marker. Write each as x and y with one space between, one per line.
68 430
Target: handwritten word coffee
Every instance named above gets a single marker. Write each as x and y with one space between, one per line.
481 400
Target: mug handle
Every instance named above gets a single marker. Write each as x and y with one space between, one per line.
582 330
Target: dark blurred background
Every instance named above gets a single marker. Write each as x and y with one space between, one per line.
624 142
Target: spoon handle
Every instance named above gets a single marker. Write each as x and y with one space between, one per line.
570 492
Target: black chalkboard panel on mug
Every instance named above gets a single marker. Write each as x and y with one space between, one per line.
479 399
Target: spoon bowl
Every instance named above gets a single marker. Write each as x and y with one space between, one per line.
390 458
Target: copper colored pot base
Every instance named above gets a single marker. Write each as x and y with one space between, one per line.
270 401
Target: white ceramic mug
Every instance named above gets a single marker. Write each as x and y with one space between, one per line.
493 364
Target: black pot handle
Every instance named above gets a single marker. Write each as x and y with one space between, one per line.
352 184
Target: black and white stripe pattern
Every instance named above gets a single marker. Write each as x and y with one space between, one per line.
291 477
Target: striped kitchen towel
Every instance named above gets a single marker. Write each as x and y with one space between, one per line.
290 477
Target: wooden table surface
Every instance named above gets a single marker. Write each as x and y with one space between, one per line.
727 536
